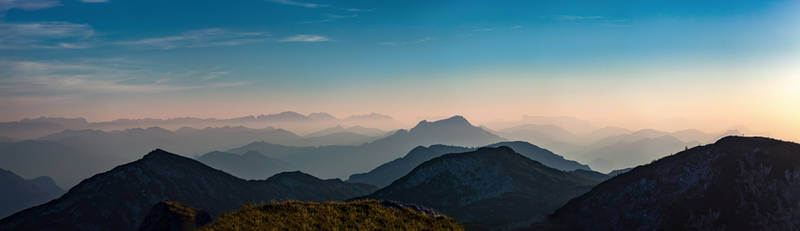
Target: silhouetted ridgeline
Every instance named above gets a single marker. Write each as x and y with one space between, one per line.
737 183
119 199
387 173
488 188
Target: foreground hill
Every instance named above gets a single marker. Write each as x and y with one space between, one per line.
739 183
120 198
357 215
387 173
17 193
488 188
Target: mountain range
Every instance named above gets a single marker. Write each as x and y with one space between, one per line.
120 198
736 183
72 155
609 148
38 127
250 165
489 188
17 193
386 173
342 161
336 152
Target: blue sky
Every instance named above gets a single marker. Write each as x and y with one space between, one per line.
117 58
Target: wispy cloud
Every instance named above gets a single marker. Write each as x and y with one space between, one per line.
600 20
310 38
300 4
359 10
6 5
212 37
332 17
578 17
401 43
483 30
214 75
36 79
44 35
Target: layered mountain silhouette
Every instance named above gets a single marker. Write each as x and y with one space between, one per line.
386 173
339 138
737 183
66 164
119 199
632 152
87 152
609 148
83 153
38 127
73 155
342 161
488 188
250 165
17 193
370 132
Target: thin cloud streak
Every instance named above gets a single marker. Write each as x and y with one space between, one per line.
578 17
6 5
212 37
360 10
308 38
45 35
300 4
415 41
52 79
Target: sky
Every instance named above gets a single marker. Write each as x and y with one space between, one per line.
639 64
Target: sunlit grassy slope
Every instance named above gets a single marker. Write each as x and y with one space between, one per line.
357 215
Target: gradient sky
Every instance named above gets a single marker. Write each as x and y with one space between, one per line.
663 64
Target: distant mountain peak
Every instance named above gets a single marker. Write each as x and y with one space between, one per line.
452 121
321 116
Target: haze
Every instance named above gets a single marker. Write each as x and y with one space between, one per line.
668 65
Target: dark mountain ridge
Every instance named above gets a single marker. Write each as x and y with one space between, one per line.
384 174
738 183
119 199
490 188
